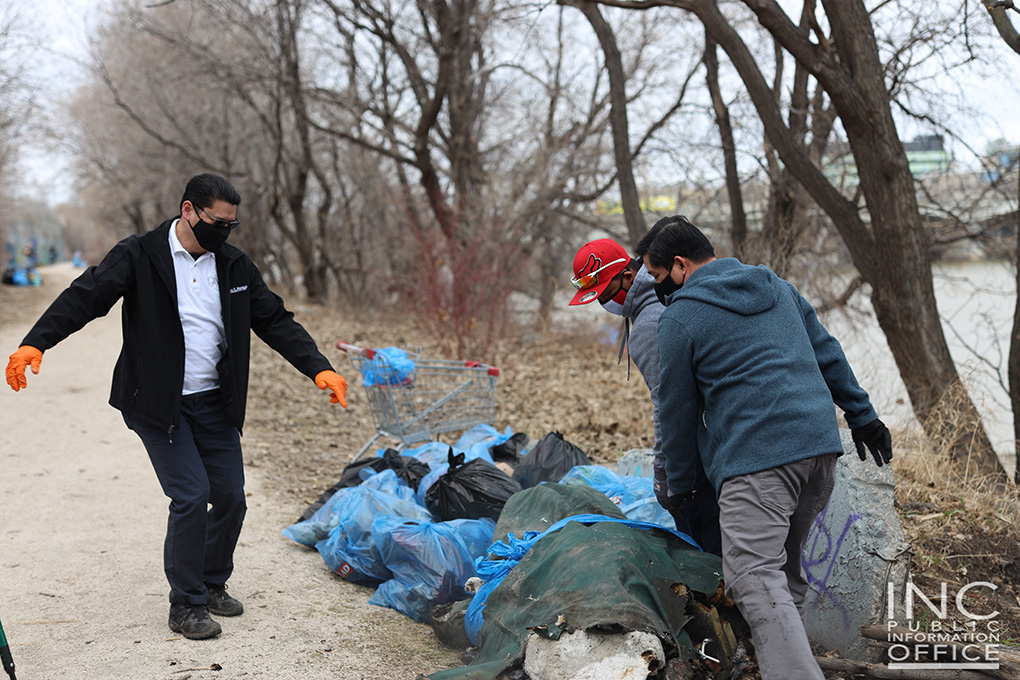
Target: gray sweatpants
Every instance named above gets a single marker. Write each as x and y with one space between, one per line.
765 518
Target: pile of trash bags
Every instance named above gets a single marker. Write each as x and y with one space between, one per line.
414 523
425 525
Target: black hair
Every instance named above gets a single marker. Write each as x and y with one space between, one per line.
205 189
672 236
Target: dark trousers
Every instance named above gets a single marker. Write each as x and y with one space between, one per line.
699 516
200 468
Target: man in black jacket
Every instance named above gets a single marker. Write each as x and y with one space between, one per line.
190 302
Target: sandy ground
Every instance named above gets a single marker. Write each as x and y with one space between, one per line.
82 518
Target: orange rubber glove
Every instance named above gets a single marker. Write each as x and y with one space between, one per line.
25 356
333 381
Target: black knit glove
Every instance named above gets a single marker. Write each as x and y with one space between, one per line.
877 438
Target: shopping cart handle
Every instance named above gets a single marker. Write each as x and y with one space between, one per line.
366 352
493 371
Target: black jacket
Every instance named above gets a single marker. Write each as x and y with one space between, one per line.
149 374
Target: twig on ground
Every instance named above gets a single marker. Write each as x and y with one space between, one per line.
883 672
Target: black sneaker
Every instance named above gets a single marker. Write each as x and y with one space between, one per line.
221 604
192 621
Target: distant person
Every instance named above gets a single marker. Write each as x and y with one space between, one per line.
31 254
76 260
603 271
53 254
748 381
190 303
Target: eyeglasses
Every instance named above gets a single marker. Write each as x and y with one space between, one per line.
592 278
232 224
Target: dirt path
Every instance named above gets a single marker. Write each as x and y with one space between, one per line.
82 517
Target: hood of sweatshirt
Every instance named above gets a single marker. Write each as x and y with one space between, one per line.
733 286
640 295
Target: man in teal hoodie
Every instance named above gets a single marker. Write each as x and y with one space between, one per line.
748 380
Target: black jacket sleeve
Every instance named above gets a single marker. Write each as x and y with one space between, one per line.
275 325
89 297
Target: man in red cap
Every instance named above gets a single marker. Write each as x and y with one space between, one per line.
604 271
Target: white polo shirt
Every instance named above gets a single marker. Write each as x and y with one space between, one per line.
198 303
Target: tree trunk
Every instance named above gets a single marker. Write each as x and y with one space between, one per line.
903 294
629 198
738 219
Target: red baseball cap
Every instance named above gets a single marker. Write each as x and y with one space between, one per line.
595 265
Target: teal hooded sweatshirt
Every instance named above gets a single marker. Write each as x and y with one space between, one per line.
748 376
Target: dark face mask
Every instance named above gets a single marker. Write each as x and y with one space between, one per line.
209 236
665 288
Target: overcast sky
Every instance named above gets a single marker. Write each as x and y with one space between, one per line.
62 27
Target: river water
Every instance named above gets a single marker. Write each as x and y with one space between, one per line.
976 302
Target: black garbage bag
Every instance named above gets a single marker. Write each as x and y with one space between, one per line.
470 490
409 469
552 457
509 451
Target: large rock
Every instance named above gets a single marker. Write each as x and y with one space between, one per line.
855 549
637 463
593 656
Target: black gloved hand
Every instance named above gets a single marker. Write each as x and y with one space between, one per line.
876 435
677 503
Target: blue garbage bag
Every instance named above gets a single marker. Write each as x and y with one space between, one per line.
349 549
414 600
432 454
477 434
317 527
430 561
635 496
389 366
386 481
482 448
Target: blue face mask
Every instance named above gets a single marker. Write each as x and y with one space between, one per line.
613 307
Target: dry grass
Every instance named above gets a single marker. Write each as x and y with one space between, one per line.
964 525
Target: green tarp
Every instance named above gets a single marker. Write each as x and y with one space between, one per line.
607 575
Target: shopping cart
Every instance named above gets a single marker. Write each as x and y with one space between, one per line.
435 396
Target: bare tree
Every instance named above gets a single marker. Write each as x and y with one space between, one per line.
618 116
1003 23
485 140
890 250
15 97
738 218
221 85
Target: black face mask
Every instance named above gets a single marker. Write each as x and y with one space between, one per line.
209 236
665 288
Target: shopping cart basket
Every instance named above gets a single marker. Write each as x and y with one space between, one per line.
436 396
